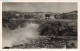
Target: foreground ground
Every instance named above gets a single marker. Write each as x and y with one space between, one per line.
49 42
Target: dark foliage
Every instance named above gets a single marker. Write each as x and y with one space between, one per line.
56 28
49 27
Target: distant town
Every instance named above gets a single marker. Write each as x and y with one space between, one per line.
14 15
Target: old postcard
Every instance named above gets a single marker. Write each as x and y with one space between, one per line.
40 25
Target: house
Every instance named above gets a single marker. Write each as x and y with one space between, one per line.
45 15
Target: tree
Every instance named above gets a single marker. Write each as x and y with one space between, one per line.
63 16
49 28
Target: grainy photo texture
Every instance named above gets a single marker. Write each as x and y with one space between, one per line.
37 25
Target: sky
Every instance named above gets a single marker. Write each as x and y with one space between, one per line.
57 7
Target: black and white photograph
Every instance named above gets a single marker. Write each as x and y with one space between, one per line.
39 25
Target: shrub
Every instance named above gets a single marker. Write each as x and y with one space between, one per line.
49 28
